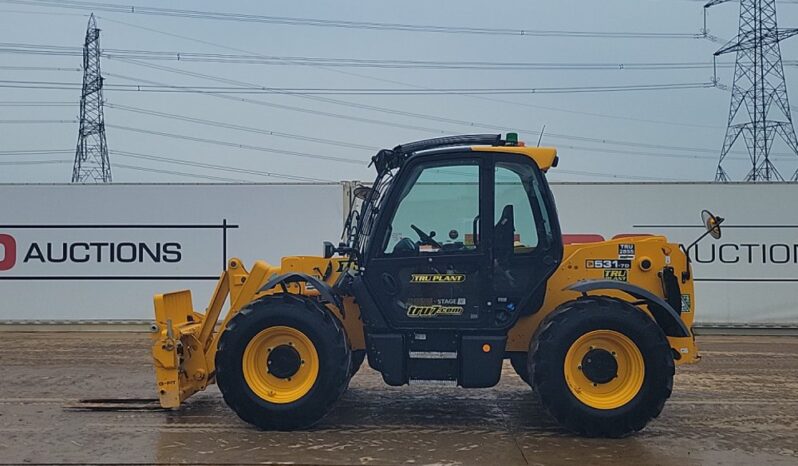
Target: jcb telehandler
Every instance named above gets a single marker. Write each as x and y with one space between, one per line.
451 262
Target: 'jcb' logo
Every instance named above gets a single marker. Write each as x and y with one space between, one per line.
614 274
9 247
437 278
433 310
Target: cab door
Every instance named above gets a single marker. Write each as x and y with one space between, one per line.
526 239
427 266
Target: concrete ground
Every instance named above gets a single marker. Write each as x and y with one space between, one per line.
738 406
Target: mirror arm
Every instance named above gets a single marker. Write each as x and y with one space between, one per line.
717 225
686 274
697 240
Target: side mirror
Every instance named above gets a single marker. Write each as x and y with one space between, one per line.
329 250
711 223
361 192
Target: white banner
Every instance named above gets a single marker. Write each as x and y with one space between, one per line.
100 252
97 252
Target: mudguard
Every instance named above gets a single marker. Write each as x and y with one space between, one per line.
298 277
665 315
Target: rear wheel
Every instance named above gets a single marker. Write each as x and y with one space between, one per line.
282 363
601 367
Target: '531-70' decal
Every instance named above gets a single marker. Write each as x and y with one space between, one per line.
608 264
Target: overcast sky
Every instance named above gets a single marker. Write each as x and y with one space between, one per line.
691 119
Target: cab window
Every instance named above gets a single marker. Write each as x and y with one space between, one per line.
519 211
438 211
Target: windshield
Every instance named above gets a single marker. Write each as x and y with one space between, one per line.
363 210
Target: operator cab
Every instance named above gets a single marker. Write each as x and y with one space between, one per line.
453 243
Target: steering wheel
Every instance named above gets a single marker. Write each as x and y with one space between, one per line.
426 238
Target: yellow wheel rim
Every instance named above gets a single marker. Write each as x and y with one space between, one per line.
595 390
292 383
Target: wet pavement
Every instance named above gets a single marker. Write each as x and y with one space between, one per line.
738 406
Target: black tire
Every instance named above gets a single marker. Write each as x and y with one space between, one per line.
562 328
326 335
519 362
357 360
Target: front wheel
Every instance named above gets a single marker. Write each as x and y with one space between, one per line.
358 356
601 367
282 363
520 366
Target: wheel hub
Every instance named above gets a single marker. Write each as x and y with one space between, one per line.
599 366
283 361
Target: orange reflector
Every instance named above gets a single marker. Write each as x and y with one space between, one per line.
486 348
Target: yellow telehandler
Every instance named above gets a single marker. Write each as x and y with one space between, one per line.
451 262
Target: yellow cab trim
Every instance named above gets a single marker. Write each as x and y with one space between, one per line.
543 156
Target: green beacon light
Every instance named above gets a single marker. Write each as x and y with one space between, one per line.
511 139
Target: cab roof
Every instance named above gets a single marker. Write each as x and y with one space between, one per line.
544 157
388 159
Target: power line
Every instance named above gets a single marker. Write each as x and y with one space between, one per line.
248 171
219 124
34 162
212 123
459 122
358 91
339 102
349 73
326 63
35 122
46 13
36 103
471 124
394 111
613 175
259 59
367 25
393 64
35 152
251 59
139 155
238 145
36 68
302 109
176 173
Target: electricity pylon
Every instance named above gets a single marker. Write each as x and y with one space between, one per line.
759 108
91 156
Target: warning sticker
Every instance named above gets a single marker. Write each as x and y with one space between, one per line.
686 303
626 251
